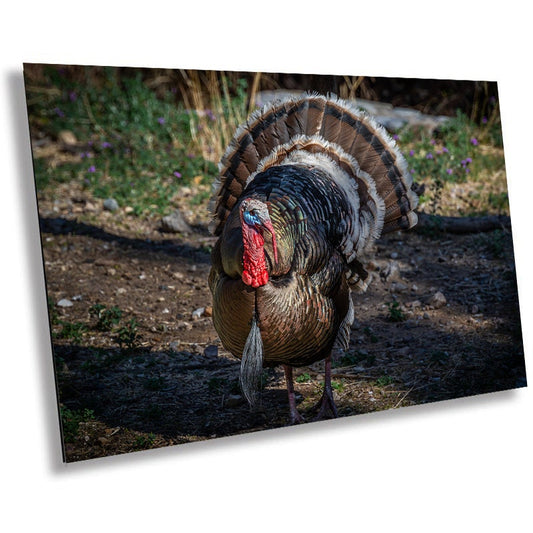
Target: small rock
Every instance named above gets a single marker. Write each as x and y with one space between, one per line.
166 311
414 287
391 272
438 300
195 348
174 345
211 351
67 137
64 303
398 287
175 223
394 255
426 316
128 209
110 204
178 275
197 313
77 298
414 304
184 325
371 265
234 400
475 309
208 311
121 290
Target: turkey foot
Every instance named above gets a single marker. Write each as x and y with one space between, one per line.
296 417
326 403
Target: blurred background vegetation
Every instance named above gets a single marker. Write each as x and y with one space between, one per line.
140 136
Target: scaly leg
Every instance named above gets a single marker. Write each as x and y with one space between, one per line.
326 403
296 417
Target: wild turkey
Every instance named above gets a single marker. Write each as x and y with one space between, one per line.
305 185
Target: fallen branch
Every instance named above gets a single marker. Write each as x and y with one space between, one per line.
444 224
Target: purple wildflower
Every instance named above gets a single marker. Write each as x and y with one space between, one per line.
72 96
468 160
433 141
210 114
395 137
445 150
105 144
58 112
161 120
449 171
484 120
91 169
429 156
411 153
177 174
467 170
474 141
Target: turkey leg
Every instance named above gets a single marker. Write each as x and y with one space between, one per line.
326 403
296 417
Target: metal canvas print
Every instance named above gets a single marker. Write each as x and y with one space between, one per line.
231 252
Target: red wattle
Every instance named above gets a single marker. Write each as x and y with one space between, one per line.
254 265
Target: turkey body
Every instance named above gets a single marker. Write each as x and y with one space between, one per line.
300 309
306 184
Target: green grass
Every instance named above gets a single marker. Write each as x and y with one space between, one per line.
140 145
106 318
144 441
137 147
337 385
383 381
460 151
72 330
71 420
128 334
395 312
354 359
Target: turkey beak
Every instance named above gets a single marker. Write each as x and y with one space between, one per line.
268 226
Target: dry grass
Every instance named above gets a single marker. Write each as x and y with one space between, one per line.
216 111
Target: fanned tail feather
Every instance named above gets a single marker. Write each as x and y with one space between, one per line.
333 134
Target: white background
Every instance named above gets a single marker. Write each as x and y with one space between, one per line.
463 465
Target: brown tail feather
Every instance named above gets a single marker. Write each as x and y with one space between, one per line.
318 124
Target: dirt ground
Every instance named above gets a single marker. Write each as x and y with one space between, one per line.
172 382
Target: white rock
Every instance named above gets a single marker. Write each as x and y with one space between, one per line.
438 300
110 204
197 313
